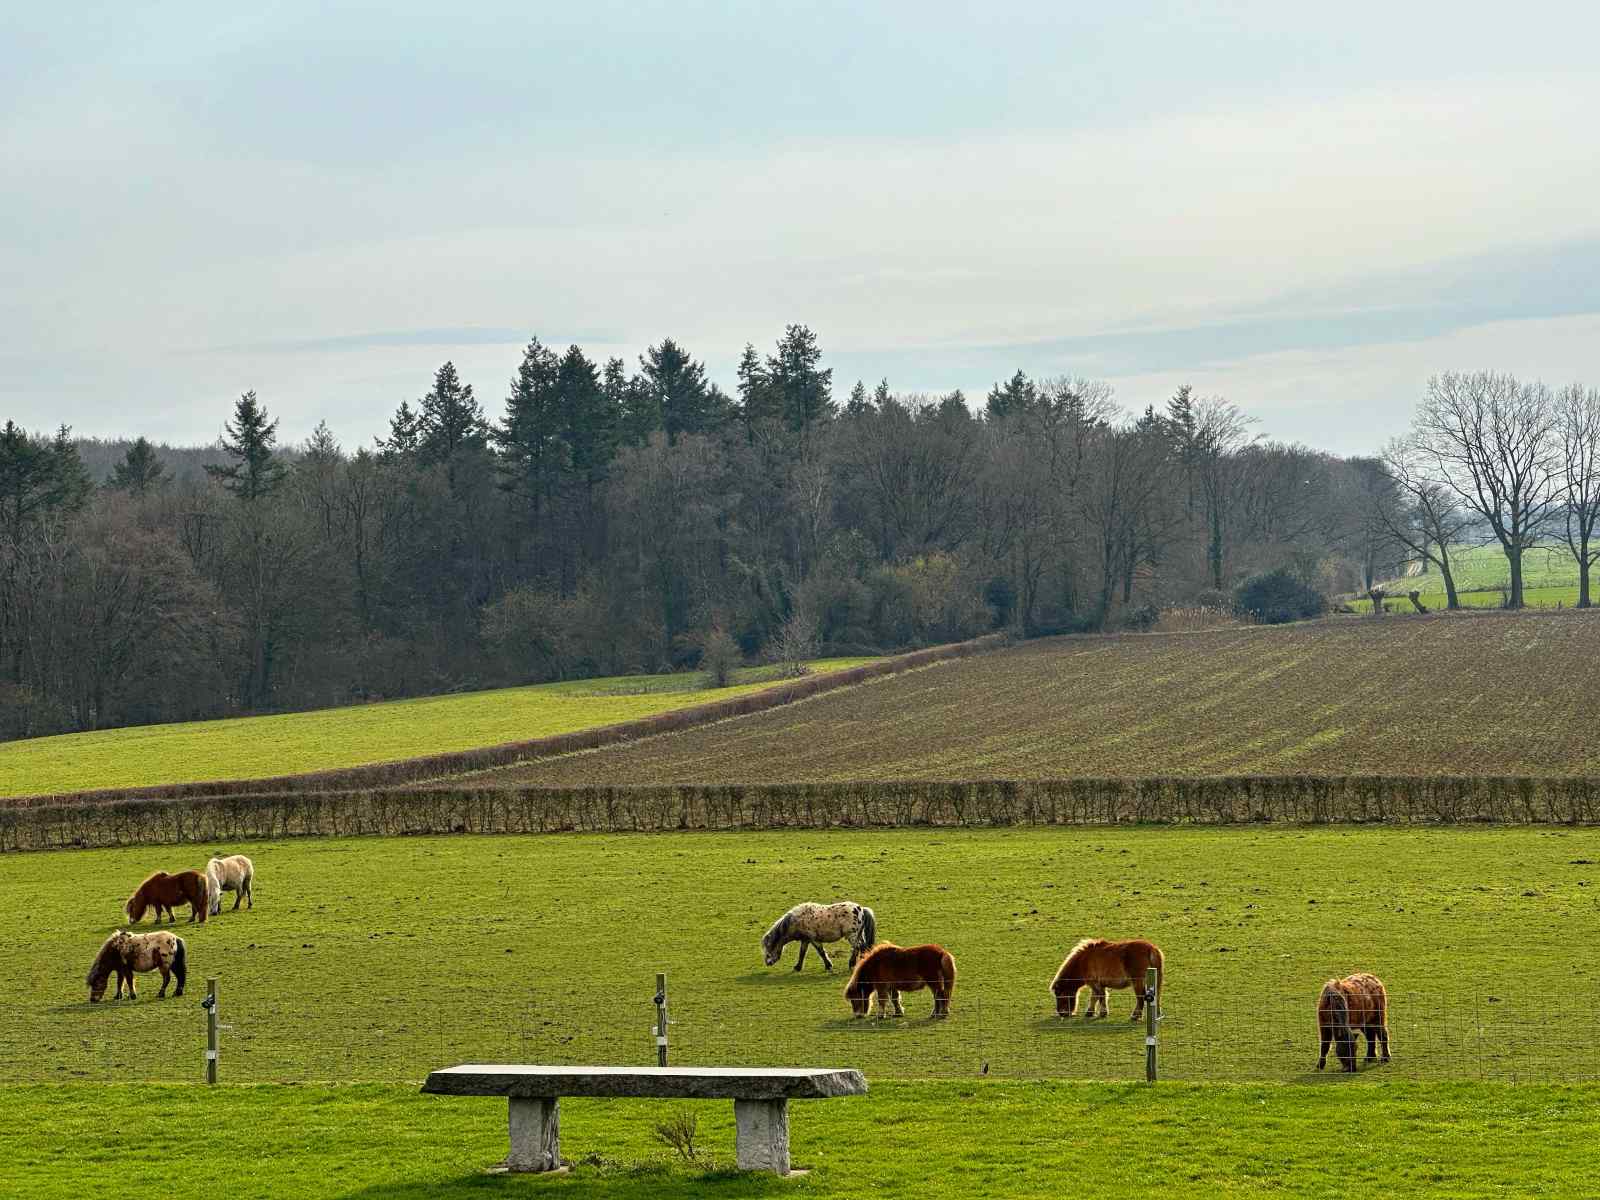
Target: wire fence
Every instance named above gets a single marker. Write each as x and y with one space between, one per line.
1542 1038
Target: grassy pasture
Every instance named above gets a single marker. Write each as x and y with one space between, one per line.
1497 694
937 1140
249 747
374 959
1549 580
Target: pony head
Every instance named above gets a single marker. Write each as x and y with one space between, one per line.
135 906
1069 981
774 940
1333 1013
105 965
859 992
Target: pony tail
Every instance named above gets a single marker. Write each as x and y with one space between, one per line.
1337 1005
180 965
869 928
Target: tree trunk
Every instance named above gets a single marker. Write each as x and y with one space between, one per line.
1514 557
1583 573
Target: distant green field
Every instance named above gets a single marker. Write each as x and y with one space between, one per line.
1549 579
253 747
942 1141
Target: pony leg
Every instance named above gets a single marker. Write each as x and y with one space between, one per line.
899 1009
827 963
238 896
166 976
1322 1056
805 944
1138 1001
250 890
133 992
1383 1036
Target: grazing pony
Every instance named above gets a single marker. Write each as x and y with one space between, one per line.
888 970
1346 1009
812 924
1098 964
232 874
124 953
162 892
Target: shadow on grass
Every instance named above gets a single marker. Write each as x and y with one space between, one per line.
615 1182
787 976
1078 1027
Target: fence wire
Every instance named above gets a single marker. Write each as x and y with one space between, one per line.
1540 1038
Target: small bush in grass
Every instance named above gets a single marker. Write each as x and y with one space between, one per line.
1141 619
719 658
678 1131
1278 596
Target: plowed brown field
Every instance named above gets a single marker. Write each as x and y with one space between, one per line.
1489 694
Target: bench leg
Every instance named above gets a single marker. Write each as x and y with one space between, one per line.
535 1134
762 1135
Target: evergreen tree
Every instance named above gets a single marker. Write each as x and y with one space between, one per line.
589 425
451 420
635 401
954 404
248 439
405 434
757 401
802 391
73 485
679 387
322 448
529 436
858 405
1018 394
881 395
140 472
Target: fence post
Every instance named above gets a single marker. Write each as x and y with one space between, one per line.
1150 1019
210 1005
661 1020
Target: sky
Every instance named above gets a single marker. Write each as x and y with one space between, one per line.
1307 210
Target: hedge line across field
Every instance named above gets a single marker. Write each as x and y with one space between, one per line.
462 762
218 820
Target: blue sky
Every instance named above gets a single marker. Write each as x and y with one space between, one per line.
1308 210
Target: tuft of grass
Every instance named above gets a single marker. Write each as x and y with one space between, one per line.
288 743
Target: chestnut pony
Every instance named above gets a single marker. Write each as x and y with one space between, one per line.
1097 964
162 892
888 970
1346 1009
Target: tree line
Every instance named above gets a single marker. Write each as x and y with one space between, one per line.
606 520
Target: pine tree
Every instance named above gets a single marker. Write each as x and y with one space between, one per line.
634 400
140 472
405 434
248 439
858 405
954 404
589 425
322 448
1018 394
756 401
881 395
451 420
72 484
679 385
529 436
802 391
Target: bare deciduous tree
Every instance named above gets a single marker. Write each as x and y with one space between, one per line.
1424 515
1577 418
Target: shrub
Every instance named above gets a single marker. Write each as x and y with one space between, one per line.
719 659
678 1131
1277 596
1141 619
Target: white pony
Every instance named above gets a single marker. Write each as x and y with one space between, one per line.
232 874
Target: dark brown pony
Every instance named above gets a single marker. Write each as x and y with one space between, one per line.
163 892
1097 964
1346 1009
888 970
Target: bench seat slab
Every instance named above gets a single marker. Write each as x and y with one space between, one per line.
685 1083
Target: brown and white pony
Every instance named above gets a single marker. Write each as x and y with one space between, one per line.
887 970
813 924
1346 1009
162 892
124 953
236 874
1097 964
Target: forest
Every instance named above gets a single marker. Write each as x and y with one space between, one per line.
602 520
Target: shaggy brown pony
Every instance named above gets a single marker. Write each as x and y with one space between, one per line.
888 970
1097 964
124 953
1346 1009
162 892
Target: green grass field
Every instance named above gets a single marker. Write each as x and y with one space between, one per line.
254 747
1549 580
371 961
1499 694
375 959
939 1140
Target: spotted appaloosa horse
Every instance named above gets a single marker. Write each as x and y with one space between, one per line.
1097 964
813 924
887 970
1347 1008
124 953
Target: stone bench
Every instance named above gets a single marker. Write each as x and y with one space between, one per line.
760 1098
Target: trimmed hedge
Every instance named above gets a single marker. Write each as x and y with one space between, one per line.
462 762
1297 799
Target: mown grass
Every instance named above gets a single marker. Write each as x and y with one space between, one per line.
949 1139
1549 580
375 960
1496 694
255 747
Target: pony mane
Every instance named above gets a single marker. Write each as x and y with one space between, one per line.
779 928
138 895
1085 944
109 949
